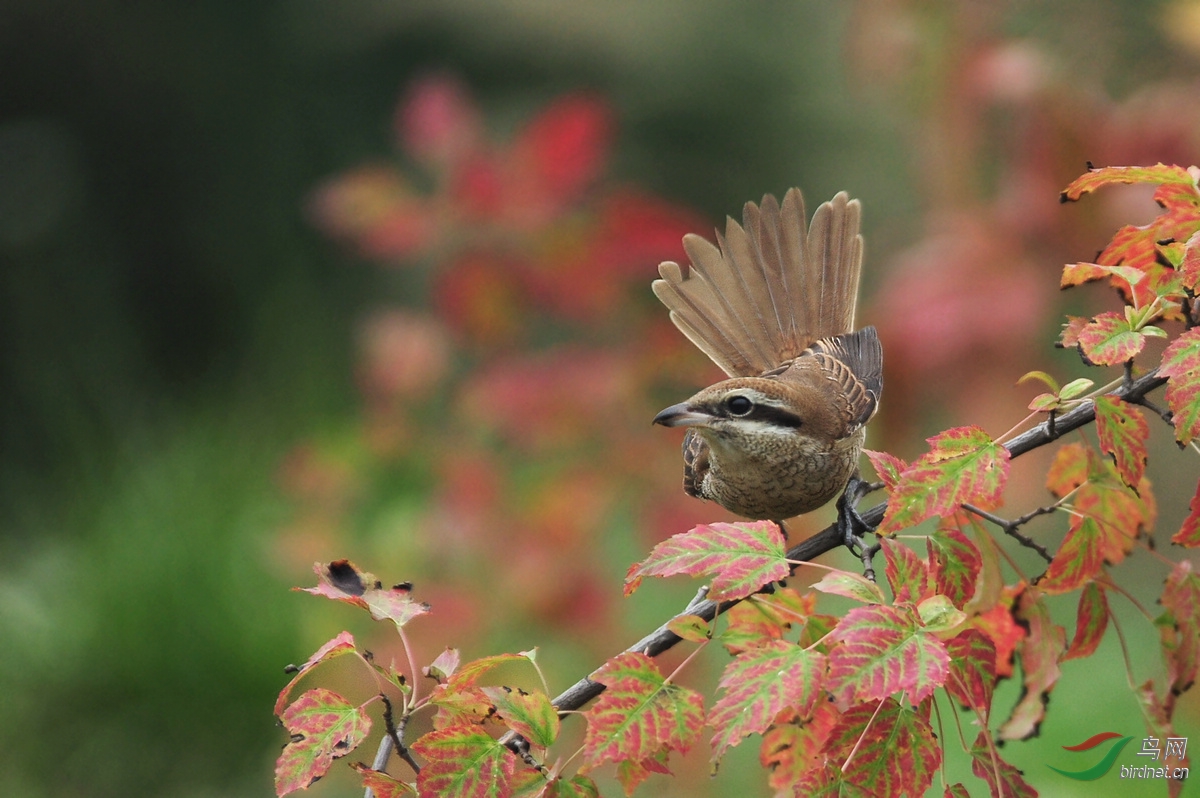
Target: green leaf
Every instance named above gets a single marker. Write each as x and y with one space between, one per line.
324 726
530 715
641 715
1181 363
465 761
1075 388
938 614
963 465
758 685
882 650
739 558
692 628
1123 433
851 585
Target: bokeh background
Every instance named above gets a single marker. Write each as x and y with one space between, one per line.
291 281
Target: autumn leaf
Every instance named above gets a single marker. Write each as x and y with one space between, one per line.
692 628
530 715
907 574
1179 626
739 558
955 563
972 670
882 650
631 773
1078 560
1080 273
1123 433
324 726
342 644
887 467
1189 533
1181 363
1109 339
759 684
963 465
764 617
880 766
1091 620
464 760
341 580
850 585
790 750
1189 267
1002 778
640 715
1157 713
1040 651
382 784
1096 178
459 700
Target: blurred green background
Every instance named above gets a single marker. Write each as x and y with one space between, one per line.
187 418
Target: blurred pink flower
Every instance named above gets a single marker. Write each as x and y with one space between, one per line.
403 355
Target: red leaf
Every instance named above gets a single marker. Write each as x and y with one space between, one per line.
887 467
1189 534
438 123
565 148
324 726
1108 175
342 644
1108 339
1077 561
640 715
764 617
908 575
1080 273
1189 269
972 670
739 558
1179 627
792 749
465 761
1090 622
759 684
882 650
383 785
1002 778
1005 633
1123 433
963 465
342 581
882 765
1041 652
1181 362
1072 329
956 563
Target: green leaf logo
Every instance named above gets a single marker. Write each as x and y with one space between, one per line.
1101 767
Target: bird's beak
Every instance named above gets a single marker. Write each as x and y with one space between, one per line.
681 415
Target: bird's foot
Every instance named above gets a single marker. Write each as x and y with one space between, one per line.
852 525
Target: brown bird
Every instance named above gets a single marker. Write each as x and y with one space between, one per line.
773 305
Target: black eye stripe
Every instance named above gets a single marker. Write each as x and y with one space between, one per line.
775 415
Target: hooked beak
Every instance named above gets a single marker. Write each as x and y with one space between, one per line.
681 415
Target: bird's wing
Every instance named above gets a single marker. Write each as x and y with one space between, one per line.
855 362
766 291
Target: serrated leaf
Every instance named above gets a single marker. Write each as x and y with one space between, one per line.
882 764
882 650
1040 652
692 628
963 465
341 580
1108 339
764 617
1189 533
1123 433
324 726
464 761
530 715
1078 560
1093 179
758 685
1074 325
1179 628
574 787
938 614
1091 619
342 644
972 670
739 558
1002 778
631 773
1080 273
459 700
1181 363
1189 267
907 574
851 585
382 784
956 563
640 715
789 750
887 467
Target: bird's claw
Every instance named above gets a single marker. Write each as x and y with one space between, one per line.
853 527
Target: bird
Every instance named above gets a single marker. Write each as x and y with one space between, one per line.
772 303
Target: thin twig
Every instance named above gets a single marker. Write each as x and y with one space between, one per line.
1010 527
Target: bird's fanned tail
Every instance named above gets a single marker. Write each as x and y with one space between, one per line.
769 289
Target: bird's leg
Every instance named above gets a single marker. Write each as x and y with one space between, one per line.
853 526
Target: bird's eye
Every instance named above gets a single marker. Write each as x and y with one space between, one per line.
739 405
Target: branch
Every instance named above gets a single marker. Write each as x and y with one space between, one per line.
832 537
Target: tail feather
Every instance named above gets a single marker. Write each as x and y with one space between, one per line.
769 289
